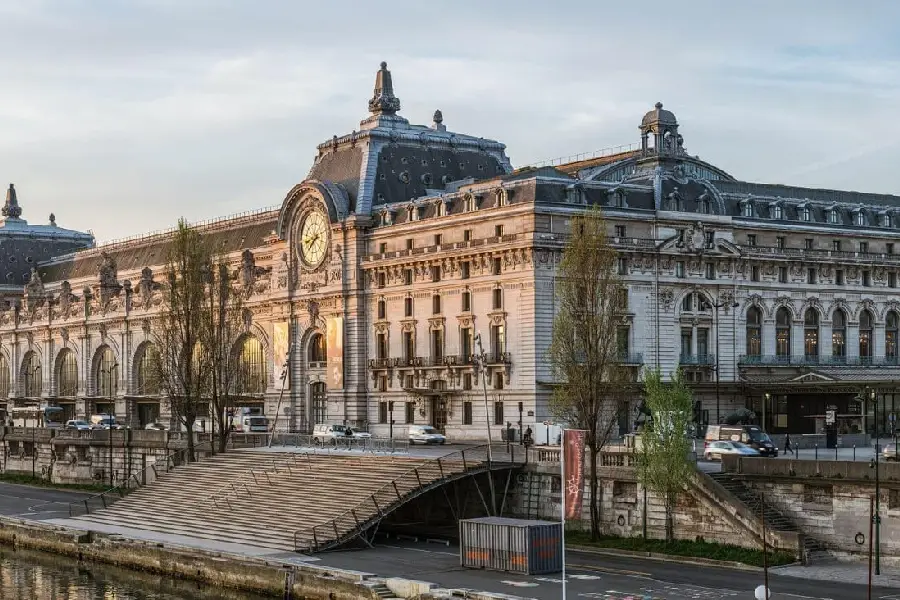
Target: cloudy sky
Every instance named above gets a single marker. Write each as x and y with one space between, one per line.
122 115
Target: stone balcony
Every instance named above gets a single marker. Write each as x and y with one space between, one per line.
802 360
697 360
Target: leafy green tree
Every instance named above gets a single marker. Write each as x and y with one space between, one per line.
584 351
663 463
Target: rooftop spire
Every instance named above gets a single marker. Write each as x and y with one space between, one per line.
11 209
383 101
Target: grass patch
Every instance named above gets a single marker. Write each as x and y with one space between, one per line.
27 479
693 549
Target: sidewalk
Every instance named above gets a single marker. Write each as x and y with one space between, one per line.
842 572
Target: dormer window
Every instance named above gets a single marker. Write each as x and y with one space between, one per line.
805 214
502 197
777 212
860 218
747 209
441 209
833 217
886 220
469 203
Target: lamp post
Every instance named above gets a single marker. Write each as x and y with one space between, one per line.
868 395
112 415
391 419
482 360
33 437
521 406
716 307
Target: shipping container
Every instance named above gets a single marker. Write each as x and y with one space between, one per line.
515 545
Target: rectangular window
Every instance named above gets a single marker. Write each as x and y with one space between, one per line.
710 270
382 309
498 413
498 381
382 247
435 273
382 280
466 343
497 298
467 382
754 273
751 239
464 270
867 278
467 413
437 345
782 274
407 307
804 213
864 247
381 349
622 338
808 243
748 210
436 305
438 239
623 266
496 266
811 275
622 299
409 383
679 269
410 412
836 245
498 341
409 346
466 301
498 230
710 239
620 231
702 341
889 248
779 242
409 244
407 276
833 217
382 383
687 339
383 412
467 235
839 277
892 280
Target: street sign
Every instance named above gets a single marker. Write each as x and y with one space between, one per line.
829 417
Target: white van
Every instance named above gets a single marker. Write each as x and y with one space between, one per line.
325 433
249 423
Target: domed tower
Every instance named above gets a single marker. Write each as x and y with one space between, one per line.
659 133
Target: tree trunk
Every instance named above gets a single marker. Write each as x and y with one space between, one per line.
670 524
595 495
223 435
191 450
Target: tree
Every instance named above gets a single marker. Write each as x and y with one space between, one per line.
180 326
663 463
583 352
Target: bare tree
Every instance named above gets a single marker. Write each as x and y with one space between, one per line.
584 349
663 463
181 375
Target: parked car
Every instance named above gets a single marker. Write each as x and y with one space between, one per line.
78 424
425 434
750 435
889 453
715 450
156 427
324 433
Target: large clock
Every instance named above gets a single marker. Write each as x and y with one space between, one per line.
313 238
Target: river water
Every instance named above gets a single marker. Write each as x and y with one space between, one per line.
27 575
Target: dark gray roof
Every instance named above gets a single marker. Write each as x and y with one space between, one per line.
659 115
343 168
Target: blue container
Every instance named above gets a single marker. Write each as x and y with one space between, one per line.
513 545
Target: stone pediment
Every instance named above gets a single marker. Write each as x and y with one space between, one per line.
812 377
694 242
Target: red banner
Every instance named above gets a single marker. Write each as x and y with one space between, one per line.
573 472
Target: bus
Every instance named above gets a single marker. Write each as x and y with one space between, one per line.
37 416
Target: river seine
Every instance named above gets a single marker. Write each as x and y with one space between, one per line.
27 575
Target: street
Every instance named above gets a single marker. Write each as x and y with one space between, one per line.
31 502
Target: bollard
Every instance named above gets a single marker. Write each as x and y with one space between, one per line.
854 452
835 452
817 452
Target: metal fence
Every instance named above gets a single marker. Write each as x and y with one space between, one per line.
373 445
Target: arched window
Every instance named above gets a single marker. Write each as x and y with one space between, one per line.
319 396
107 373
251 367
777 212
805 214
839 334
865 335
783 332
811 333
146 370
66 374
4 377
31 375
318 351
891 323
754 332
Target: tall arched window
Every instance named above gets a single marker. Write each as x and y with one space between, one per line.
891 323
783 332
251 367
811 333
865 335
839 334
31 375
318 351
107 373
146 370
4 377
319 396
754 331
66 374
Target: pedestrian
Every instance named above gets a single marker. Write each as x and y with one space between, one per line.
787 445
527 439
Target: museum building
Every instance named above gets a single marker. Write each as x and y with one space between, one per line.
409 278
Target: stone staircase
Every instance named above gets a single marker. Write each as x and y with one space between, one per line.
260 499
813 549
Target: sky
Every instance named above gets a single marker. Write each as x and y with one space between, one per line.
120 116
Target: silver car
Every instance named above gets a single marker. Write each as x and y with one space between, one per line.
889 453
425 434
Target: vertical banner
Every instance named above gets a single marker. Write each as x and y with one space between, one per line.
573 472
280 346
335 339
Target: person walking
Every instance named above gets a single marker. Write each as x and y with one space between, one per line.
787 445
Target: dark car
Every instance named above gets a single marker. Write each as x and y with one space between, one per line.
751 435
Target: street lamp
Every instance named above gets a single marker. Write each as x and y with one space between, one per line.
717 306
112 415
391 418
868 395
482 364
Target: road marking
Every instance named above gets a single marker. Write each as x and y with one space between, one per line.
609 570
520 583
417 550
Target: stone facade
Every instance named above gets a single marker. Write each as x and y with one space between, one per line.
410 278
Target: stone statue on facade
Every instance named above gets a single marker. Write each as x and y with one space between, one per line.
249 273
146 286
66 297
34 292
108 273
695 237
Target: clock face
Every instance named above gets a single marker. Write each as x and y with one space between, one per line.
313 238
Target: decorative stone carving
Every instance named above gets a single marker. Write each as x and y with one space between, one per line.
34 293
666 298
64 335
146 286
107 273
66 299
674 200
281 272
145 326
695 237
249 274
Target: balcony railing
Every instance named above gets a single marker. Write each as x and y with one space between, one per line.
801 360
498 358
697 359
631 358
810 253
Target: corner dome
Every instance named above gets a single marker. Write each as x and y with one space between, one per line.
659 116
